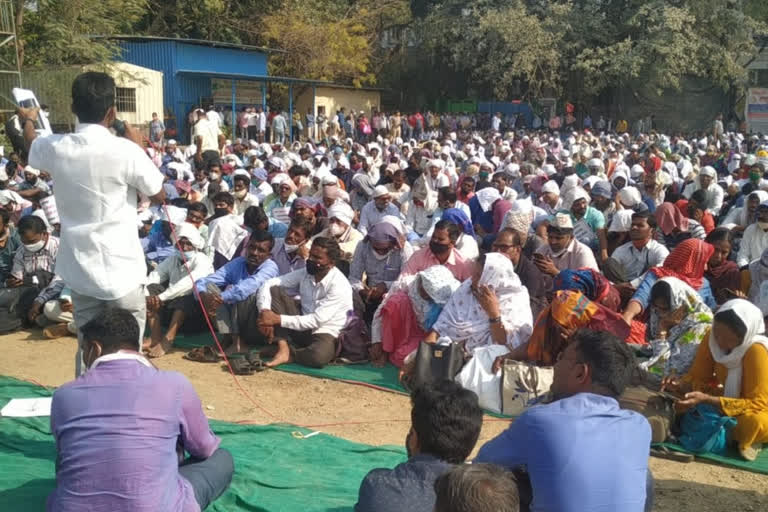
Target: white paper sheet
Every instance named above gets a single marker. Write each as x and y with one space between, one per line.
27 407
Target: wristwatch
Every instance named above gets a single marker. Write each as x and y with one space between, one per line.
494 320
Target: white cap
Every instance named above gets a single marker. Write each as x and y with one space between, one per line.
380 190
562 221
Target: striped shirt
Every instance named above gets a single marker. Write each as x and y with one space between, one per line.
26 262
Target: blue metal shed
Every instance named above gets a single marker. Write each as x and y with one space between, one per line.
188 65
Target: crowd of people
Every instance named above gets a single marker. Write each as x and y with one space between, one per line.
618 261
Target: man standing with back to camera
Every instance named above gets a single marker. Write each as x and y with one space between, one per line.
98 179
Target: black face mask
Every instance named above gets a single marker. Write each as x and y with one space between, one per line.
437 248
220 212
313 268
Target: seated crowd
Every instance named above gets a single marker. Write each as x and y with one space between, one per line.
575 257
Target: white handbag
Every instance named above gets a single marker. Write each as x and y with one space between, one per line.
523 385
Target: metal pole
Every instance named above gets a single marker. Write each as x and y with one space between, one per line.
290 110
316 128
233 126
264 97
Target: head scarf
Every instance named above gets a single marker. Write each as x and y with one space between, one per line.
686 262
629 197
384 231
519 217
676 354
601 189
191 233
310 204
459 218
464 319
439 284
341 211
486 197
591 283
752 318
550 187
669 217
574 195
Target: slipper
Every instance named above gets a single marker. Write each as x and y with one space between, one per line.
240 366
259 366
662 452
202 355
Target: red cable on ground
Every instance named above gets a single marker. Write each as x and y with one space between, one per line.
208 321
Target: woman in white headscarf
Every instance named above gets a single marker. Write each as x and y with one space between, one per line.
737 355
490 308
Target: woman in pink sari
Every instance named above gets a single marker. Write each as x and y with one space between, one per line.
408 314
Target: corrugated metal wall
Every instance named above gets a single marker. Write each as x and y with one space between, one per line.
182 91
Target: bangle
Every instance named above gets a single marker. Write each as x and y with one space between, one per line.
494 320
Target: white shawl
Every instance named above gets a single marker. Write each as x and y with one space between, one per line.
753 320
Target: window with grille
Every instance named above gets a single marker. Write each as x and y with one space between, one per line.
125 99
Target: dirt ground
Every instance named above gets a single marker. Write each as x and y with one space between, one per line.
364 415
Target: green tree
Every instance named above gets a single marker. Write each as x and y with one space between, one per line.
57 32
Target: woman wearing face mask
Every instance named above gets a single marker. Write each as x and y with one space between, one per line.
679 322
736 353
340 220
408 314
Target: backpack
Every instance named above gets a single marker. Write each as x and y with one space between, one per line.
704 430
354 341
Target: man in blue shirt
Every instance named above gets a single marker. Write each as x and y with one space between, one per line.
445 424
229 294
582 452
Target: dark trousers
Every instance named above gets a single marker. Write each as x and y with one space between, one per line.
209 477
253 132
308 349
240 318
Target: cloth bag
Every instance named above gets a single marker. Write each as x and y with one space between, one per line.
354 341
437 362
657 408
477 375
523 385
704 430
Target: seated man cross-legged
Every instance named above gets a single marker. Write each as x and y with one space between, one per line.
229 294
306 332
122 428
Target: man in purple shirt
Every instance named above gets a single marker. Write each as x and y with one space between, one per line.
119 426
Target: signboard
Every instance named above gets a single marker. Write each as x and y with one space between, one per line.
756 110
246 92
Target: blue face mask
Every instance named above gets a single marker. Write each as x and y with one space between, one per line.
188 255
431 317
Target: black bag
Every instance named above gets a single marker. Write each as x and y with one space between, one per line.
435 363
354 341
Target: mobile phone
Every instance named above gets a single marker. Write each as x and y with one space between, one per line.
119 127
27 99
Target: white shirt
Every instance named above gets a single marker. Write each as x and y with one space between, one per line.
209 131
242 204
98 177
214 116
324 305
262 121
173 271
753 243
636 262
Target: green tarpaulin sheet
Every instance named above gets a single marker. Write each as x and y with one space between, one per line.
274 471
732 459
385 378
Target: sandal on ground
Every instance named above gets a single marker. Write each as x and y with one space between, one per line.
202 355
663 452
240 366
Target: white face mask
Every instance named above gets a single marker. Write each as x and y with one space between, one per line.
289 248
215 176
381 257
35 247
336 229
240 194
